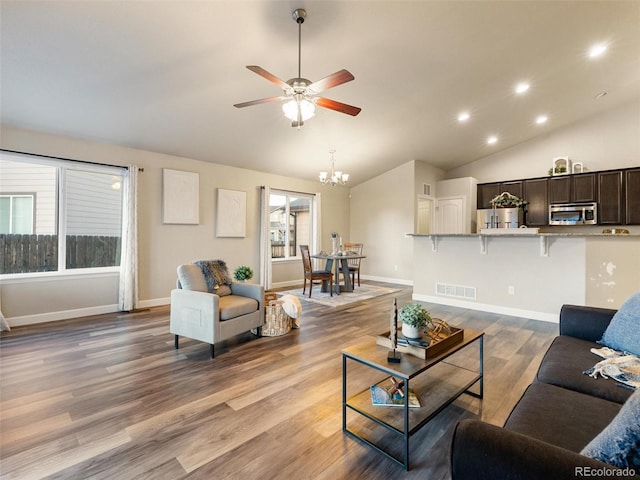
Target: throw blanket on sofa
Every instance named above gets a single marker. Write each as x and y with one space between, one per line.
619 366
215 273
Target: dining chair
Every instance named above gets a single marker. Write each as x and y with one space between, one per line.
354 263
311 274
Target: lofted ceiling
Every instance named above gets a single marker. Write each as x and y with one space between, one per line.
163 76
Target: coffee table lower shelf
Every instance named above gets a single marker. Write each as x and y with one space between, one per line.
437 384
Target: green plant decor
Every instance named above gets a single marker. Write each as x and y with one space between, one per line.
243 273
507 200
415 315
552 170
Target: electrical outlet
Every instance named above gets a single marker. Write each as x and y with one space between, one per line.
511 290
395 268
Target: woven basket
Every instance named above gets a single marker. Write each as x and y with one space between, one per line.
276 321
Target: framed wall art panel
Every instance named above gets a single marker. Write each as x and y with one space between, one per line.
231 219
180 197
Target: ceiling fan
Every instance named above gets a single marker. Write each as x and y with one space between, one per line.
302 94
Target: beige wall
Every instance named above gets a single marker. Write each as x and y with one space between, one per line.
596 271
161 247
607 141
383 209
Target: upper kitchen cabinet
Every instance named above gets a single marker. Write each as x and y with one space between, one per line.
610 198
536 194
486 192
632 196
573 188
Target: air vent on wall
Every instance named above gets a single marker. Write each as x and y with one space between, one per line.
426 189
458 291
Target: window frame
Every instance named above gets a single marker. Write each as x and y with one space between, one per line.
62 166
312 212
11 196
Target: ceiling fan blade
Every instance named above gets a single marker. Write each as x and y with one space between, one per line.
337 106
269 76
257 102
333 80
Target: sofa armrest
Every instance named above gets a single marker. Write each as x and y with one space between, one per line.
480 451
587 323
194 314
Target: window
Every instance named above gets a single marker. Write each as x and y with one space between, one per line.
290 222
71 219
16 213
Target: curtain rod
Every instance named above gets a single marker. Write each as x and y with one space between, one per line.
67 159
288 191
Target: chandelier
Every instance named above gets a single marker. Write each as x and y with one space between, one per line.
334 177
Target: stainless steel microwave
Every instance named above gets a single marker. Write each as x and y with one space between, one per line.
573 214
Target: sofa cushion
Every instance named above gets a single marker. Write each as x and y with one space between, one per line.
191 278
560 417
566 360
623 333
619 443
232 306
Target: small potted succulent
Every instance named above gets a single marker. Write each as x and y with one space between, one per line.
243 273
414 318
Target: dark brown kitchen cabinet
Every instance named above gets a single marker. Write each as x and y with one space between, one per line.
572 188
486 192
514 188
632 196
537 209
583 188
610 198
560 189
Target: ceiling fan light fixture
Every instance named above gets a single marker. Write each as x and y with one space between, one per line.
297 108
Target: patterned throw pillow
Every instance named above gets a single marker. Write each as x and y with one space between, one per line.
619 443
623 333
216 275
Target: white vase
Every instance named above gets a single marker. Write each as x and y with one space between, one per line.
410 331
334 245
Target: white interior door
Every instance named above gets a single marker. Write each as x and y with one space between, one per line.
450 215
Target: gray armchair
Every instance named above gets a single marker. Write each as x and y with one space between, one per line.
212 317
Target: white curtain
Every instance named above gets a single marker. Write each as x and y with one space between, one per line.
265 240
128 291
317 227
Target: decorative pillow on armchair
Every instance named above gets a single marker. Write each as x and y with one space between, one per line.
623 333
619 443
216 275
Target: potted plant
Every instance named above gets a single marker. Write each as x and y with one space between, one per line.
414 318
243 273
507 200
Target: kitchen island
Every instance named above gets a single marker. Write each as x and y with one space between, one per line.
526 274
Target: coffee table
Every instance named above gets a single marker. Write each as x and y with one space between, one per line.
436 381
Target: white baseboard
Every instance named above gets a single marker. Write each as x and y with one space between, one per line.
399 281
484 307
288 283
79 312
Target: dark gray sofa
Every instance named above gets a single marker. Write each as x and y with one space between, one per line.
556 417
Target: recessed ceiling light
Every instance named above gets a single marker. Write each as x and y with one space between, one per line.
463 116
492 139
597 50
541 119
522 87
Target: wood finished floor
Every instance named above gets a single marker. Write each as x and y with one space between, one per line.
108 397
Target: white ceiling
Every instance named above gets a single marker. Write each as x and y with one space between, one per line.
164 75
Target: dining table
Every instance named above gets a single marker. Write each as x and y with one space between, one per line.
339 263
